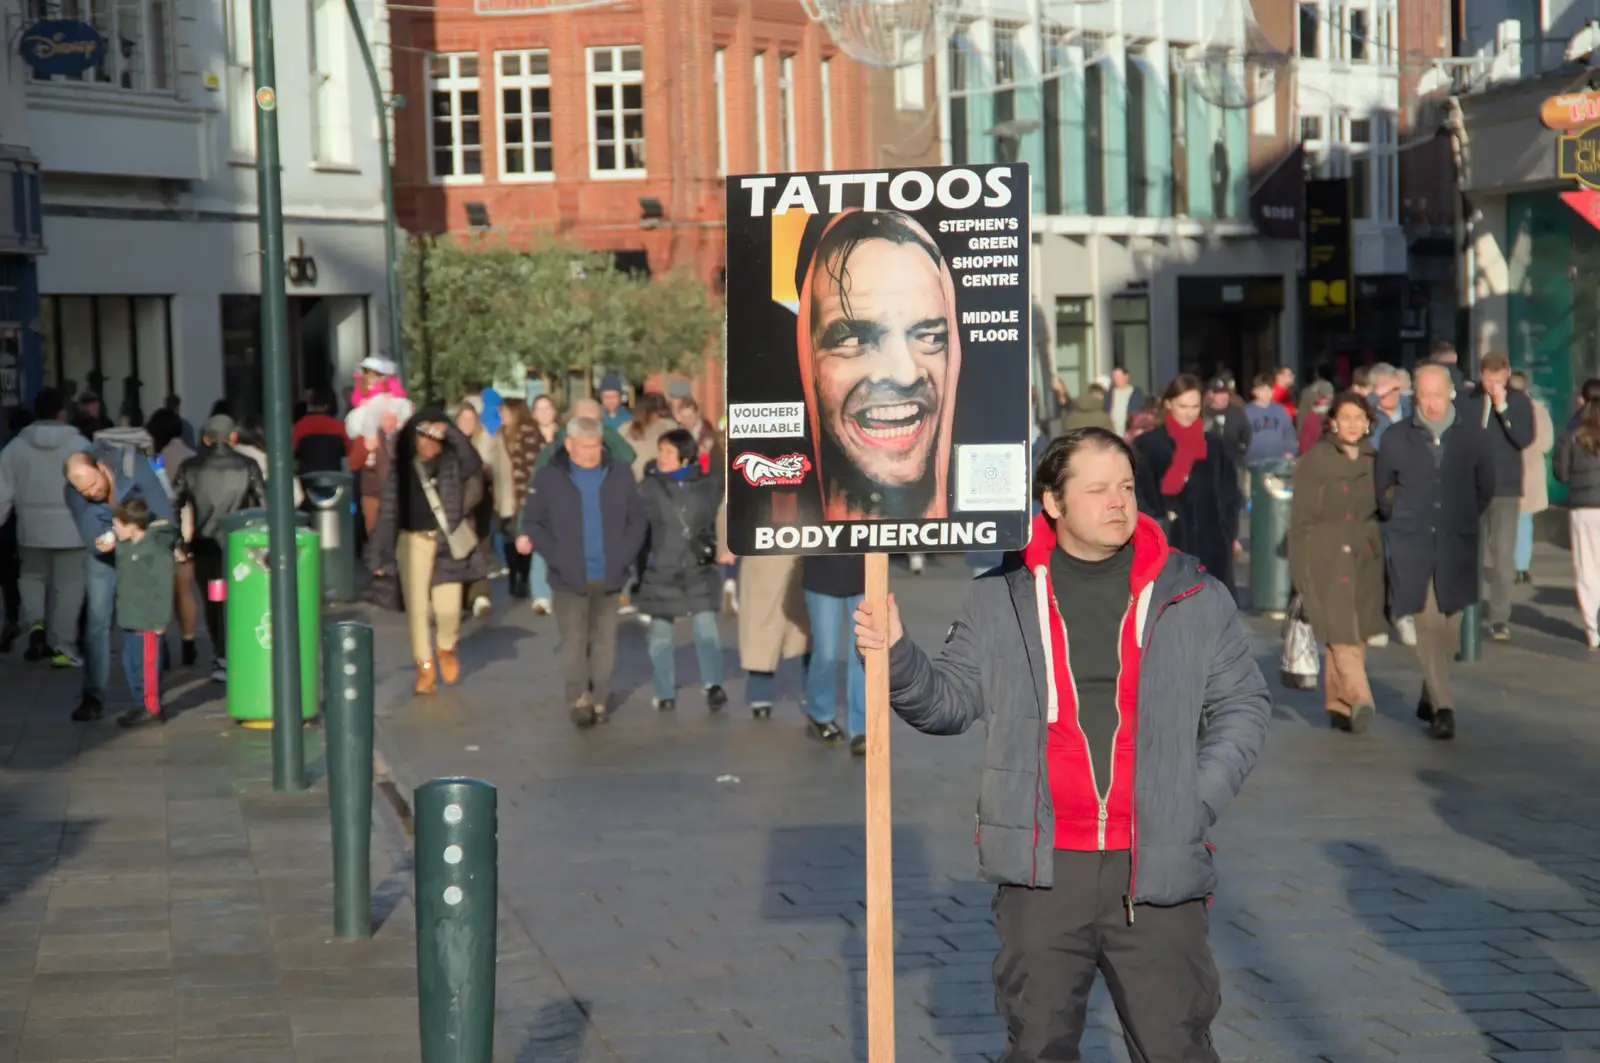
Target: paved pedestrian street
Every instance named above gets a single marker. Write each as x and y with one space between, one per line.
688 887
158 902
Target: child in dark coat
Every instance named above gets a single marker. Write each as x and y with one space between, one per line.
145 564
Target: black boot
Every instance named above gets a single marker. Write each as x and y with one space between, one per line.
519 584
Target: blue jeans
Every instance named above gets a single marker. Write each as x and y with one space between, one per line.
539 577
830 621
1524 548
707 647
102 598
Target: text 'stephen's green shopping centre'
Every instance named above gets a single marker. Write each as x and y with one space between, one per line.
1533 258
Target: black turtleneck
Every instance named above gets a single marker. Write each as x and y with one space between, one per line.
1092 597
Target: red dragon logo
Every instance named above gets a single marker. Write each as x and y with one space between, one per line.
762 471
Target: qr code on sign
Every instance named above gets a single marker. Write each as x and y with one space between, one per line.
991 477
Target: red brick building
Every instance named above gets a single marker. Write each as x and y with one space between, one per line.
579 123
614 126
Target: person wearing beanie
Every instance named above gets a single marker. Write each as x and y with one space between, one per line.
616 414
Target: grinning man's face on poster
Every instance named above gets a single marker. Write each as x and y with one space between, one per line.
880 338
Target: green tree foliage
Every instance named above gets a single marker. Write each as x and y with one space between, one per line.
474 311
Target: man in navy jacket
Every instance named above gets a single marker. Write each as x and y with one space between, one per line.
104 476
585 517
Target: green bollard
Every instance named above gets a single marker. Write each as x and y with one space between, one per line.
1271 495
347 713
457 858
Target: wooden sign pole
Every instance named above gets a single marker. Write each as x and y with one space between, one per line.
880 829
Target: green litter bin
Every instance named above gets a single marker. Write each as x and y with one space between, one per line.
1271 493
249 625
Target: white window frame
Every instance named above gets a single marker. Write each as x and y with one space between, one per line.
327 61
827 114
617 79
1386 172
910 82
1318 52
455 83
719 73
1365 41
524 85
119 22
760 96
1338 33
239 88
788 148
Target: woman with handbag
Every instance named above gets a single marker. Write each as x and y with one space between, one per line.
1336 556
679 571
425 535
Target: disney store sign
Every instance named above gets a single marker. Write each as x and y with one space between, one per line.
62 46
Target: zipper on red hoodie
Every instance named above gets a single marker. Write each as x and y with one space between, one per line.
1133 798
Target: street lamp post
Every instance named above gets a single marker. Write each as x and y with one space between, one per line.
391 238
288 755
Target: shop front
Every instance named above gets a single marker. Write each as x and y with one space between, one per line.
1533 183
21 242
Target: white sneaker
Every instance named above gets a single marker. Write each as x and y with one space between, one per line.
541 606
219 670
730 596
1406 626
481 606
1593 638
627 609
1379 641
917 561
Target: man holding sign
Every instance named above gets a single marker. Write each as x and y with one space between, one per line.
1111 754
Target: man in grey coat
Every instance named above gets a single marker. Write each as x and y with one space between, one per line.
1110 756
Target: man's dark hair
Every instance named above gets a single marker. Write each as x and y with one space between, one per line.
688 403
1260 380
133 511
48 404
173 403
1591 389
1055 467
683 441
252 434
223 408
1361 378
850 231
322 400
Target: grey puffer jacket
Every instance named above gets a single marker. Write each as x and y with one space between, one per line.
1203 715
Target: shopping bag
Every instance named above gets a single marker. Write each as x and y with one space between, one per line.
1297 667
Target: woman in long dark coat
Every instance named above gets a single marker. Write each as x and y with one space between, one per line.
425 534
1188 482
1336 555
680 575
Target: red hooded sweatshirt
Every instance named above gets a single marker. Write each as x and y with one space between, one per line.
1085 822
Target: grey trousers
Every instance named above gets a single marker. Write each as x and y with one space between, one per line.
587 624
1500 565
55 576
1053 942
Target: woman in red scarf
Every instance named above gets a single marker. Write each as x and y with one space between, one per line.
1188 481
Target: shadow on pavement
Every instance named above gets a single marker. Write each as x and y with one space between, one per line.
557 1032
817 874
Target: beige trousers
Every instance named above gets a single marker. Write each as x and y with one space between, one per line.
1438 641
1344 679
414 555
1585 525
